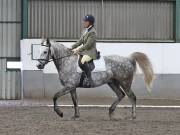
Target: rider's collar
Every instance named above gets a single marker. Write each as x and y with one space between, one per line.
89 28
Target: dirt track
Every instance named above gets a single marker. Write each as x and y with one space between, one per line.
93 121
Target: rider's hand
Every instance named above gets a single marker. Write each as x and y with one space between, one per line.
75 51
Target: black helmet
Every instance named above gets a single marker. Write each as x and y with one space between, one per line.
89 18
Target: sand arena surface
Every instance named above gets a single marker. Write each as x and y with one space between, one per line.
23 120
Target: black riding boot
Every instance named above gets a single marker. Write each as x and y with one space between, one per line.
88 74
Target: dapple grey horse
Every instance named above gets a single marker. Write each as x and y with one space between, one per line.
118 75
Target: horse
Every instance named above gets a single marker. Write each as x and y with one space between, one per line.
118 75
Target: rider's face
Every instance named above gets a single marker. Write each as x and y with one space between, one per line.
86 24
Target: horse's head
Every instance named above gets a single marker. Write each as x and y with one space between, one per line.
46 54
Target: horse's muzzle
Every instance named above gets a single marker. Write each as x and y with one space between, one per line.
40 66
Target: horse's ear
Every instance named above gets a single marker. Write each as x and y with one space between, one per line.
42 40
48 42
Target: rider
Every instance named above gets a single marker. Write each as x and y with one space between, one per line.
86 47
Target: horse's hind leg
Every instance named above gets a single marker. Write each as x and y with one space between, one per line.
132 99
114 85
75 102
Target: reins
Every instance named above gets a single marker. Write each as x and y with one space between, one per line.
60 57
53 59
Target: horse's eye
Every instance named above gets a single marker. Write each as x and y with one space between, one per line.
45 52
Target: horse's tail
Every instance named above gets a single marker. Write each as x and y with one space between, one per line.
146 67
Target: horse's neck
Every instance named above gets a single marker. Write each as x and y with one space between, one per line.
59 50
61 63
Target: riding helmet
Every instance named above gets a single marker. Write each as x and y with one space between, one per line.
89 18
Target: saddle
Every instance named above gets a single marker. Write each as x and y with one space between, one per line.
91 62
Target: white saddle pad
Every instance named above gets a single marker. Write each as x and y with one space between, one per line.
99 65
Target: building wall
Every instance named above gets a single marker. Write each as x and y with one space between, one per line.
10 82
10 28
10 35
177 24
44 85
56 19
115 20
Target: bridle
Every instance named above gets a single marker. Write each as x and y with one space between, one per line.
49 54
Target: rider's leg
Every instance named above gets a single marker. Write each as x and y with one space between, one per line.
79 62
83 69
85 59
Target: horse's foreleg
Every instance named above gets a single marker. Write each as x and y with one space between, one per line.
120 94
75 102
56 96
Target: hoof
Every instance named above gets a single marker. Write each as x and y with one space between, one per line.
111 116
114 117
130 118
75 118
133 117
61 115
111 111
59 112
